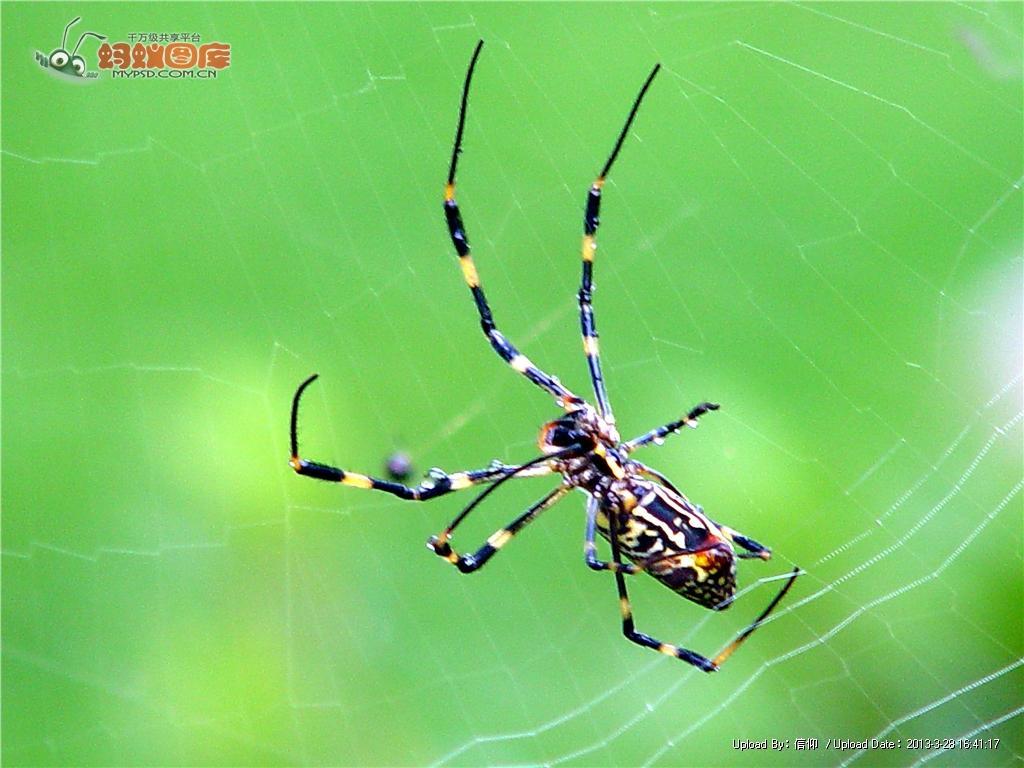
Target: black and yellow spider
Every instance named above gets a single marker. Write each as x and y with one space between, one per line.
645 518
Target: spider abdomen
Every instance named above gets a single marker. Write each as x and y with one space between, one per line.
707 577
675 543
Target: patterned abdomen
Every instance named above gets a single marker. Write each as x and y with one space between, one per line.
678 545
707 577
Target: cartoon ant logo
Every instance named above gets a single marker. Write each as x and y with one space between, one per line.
69 65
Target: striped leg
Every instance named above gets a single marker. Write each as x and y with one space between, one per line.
708 665
438 483
728 651
753 548
660 433
585 298
542 465
505 349
628 627
501 537
591 220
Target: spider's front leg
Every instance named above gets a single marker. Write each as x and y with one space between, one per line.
591 221
545 464
505 349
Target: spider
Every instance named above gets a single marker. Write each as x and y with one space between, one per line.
644 517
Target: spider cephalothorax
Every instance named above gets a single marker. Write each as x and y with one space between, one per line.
582 427
644 517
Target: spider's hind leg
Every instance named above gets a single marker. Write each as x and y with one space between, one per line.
629 628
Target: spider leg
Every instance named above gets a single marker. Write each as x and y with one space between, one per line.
542 465
497 540
591 221
696 659
728 651
590 546
628 626
753 548
456 229
437 484
660 433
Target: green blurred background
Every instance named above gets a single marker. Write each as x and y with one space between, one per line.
816 222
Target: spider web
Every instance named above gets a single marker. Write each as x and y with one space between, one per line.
816 221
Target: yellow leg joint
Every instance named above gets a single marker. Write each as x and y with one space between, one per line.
469 271
500 539
589 246
357 481
520 363
459 481
624 608
726 653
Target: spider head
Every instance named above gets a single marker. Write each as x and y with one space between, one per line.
581 427
566 431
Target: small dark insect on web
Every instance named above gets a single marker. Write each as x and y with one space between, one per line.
399 466
650 525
